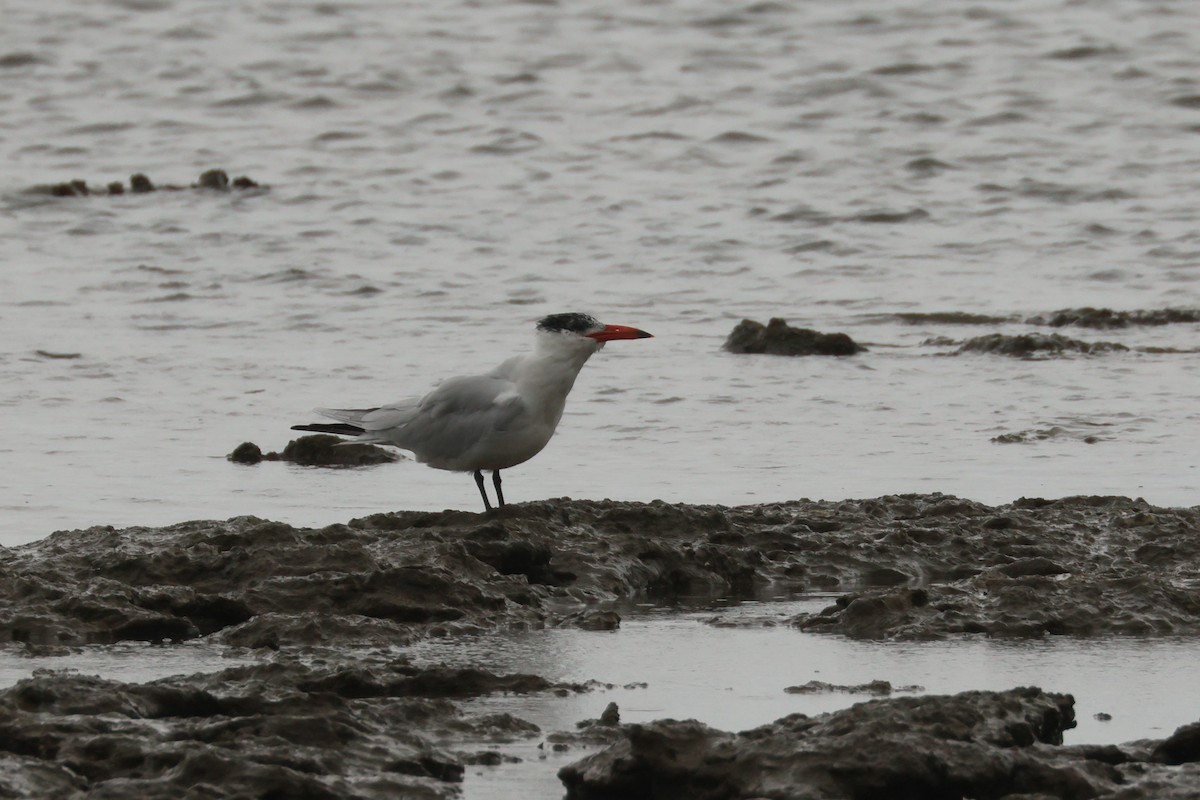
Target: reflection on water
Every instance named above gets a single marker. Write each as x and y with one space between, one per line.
734 678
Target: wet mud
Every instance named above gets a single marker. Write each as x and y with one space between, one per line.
331 708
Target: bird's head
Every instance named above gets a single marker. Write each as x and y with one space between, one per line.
587 329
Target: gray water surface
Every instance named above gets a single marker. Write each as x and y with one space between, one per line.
442 175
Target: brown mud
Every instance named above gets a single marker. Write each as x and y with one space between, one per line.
331 708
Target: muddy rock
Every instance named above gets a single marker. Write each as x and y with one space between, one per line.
877 688
368 729
1107 318
945 318
910 566
780 339
973 744
216 179
319 450
246 453
1035 345
330 451
1056 432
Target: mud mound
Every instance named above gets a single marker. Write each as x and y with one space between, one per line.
973 744
777 338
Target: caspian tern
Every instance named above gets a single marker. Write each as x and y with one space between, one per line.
492 421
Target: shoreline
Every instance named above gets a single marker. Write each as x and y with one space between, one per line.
332 708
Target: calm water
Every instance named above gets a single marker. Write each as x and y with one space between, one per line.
441 175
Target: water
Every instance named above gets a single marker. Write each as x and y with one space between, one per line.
442 175
734 679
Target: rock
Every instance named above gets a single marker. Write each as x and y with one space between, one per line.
216 179
611 715
140 184
323 450
1030 345
779 338
1107 318
972 744
328 710
947 318
318 450
938 565
1056 432
213 179
246 453
876 688
286 728
1181 747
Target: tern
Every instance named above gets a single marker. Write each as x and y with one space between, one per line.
493 421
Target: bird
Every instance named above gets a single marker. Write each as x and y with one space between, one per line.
492 421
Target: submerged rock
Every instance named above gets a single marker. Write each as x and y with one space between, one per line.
318 450
973 744
1088 317
1043 434
1032 345
324 450
878 688
246 453
780 339
140 184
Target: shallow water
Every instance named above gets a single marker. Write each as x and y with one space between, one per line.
135 662
733 678
729 666
441 175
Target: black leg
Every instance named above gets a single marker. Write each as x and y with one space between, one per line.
499 493
479 482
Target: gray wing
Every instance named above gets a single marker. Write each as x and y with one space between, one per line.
459 414
447 422
373 420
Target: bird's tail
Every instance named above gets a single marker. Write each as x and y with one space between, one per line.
340 428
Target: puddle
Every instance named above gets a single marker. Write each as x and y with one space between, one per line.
128 661
734 678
